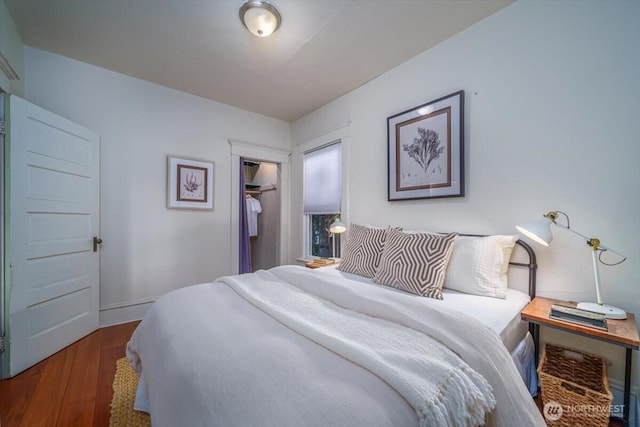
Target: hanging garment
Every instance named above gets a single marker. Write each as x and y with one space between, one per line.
253 209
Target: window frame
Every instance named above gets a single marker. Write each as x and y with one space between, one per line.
308 217
338 135
308 233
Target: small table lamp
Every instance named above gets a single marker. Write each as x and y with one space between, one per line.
336 227
540 232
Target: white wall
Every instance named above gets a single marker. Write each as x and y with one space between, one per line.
552 121
148 249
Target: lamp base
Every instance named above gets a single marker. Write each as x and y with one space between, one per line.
608 311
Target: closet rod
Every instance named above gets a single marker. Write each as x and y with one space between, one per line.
259 191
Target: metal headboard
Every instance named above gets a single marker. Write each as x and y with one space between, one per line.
531 265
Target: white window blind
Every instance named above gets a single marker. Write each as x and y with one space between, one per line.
322 187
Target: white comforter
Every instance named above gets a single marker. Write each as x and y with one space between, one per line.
211 357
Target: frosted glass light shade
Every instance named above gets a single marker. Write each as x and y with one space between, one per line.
260 18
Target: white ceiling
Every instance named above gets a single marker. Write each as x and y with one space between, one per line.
323 49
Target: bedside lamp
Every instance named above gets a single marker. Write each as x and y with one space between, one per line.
540 232
336 227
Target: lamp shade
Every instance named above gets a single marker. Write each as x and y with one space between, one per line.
337 227
260 17
537 230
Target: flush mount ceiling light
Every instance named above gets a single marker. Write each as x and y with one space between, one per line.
259 17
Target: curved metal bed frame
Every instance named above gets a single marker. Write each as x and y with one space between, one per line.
531 265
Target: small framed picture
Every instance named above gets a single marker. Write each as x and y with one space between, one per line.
426 150
189 183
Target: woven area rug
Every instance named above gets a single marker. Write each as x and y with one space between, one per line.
124 393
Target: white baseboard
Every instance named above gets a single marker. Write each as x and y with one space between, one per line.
115 314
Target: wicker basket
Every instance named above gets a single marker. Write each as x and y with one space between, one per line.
579 383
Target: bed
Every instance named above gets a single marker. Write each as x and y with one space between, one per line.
298 347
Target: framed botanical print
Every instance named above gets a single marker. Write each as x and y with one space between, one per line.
426 150
189 183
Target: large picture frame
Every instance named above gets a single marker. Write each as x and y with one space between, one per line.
189 183
426 150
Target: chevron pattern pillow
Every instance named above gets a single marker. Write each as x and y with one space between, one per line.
363 250
415 263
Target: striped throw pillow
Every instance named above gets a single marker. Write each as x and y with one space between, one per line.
363 250
415 263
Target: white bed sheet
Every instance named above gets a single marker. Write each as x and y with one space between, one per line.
501 315
167 334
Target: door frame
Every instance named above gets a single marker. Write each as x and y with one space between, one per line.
240 149
4 297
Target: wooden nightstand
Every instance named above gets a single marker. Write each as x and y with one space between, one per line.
621 332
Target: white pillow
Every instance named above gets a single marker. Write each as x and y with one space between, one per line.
479 265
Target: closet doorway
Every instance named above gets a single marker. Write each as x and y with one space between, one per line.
267 173
262 200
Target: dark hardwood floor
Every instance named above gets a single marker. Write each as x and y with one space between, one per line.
70 388
73 387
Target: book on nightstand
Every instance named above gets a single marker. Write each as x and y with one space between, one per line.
578 316
320 262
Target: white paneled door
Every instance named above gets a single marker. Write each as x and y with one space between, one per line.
53 241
